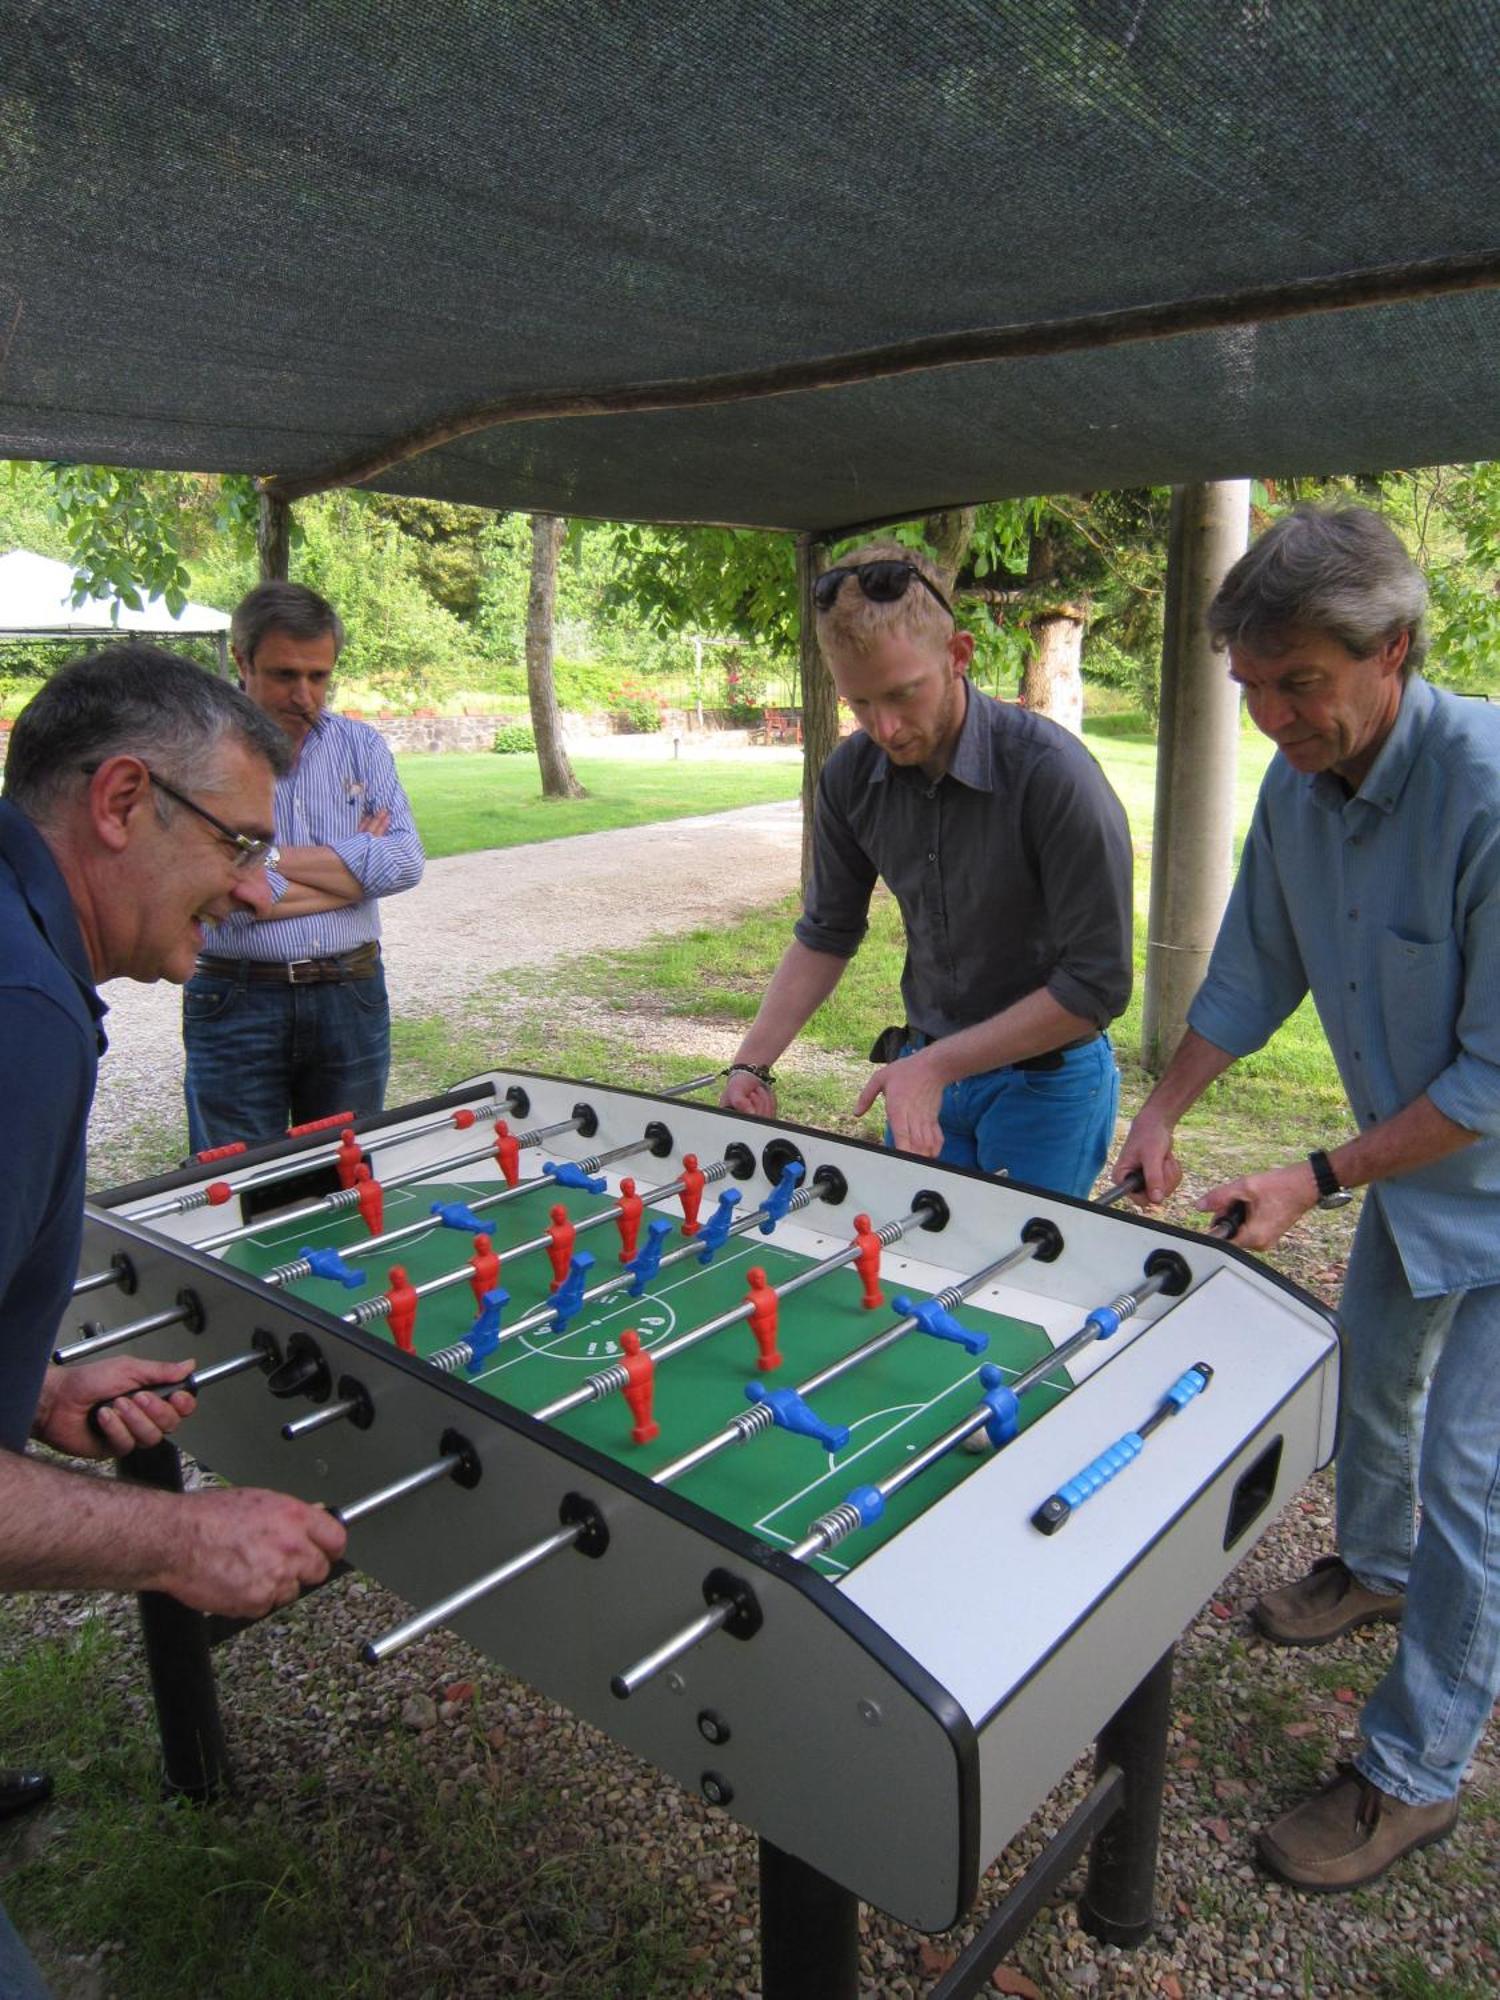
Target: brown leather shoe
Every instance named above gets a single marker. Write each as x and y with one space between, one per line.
1349 1833
1325 1604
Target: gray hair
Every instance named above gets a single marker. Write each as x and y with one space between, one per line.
282 607
1344 572
135 701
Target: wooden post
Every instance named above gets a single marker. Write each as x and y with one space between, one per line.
820 702
1197 746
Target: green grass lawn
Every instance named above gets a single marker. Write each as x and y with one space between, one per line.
464 804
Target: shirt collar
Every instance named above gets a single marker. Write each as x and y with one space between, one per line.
46 896
1386 778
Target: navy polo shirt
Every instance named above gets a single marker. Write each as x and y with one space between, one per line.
50 1044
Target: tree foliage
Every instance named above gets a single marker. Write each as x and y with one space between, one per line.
434 595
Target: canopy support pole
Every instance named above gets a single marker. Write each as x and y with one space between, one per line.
1197 746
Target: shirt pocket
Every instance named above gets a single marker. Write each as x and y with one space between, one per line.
1420 983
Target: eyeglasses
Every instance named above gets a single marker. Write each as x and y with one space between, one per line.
250 850
885 582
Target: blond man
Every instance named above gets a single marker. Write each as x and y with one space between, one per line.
1010 859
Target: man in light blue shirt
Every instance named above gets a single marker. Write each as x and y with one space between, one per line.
286 1019
1371 876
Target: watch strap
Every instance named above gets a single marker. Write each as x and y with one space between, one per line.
1323 1173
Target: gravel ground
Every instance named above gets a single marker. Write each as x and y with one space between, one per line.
1252 1723
454 936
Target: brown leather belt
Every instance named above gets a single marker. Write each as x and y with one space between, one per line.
360 964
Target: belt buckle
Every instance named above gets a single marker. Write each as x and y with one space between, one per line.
295 979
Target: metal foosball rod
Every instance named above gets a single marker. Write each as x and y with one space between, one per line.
581 1120
828 1185
598 1387
305 1266
375 1308
346 1198
285 1169
121 1272
996 1413
1041 1242
187 1313
587 1532
457 1461
264 1353
1040 1239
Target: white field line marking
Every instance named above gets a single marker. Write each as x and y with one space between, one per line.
544 1346
906 1413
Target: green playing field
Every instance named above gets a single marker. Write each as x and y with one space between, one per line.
778 1483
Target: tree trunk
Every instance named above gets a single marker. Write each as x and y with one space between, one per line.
1197 746
820 702
948 536
558 781
1052 682
273 538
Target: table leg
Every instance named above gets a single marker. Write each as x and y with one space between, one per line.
809 1932
1117 1905
194 1760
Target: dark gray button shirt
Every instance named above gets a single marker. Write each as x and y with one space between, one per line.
1012 872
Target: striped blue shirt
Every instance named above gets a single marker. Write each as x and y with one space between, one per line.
1387 905
343 772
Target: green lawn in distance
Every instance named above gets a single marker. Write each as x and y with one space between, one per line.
466 803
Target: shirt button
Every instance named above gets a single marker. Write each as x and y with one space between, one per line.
1353 985
1352 915
1357 1055
931 856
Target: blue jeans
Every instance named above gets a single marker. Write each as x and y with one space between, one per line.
262 1057
1052 1128
1420 1415
19 1978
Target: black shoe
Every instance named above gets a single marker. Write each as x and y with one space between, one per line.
21 1790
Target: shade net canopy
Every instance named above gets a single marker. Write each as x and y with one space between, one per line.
272 240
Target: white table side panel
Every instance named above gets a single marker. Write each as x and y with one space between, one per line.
981 1633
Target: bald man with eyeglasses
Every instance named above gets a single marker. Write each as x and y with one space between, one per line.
1010 858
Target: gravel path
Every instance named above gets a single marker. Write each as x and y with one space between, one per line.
474 918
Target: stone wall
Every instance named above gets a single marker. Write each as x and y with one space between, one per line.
477 732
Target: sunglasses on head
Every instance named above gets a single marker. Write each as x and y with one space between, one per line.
885 582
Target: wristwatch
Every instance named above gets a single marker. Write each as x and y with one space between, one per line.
1331 1191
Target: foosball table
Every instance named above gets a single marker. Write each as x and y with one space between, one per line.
856 1493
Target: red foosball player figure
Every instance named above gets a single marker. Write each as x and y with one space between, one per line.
401 1313
507 1152
371 1198
640 1386
560 1235
349 1159
765 1310
867 1263
629 1218
485 1265
693 1182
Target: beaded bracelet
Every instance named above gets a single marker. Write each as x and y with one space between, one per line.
760 1070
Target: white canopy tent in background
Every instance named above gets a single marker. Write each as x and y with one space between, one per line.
36 602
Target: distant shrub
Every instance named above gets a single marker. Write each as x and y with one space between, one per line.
516 739
635 710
